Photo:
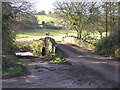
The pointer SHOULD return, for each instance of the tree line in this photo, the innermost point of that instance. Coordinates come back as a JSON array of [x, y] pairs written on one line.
[[93, 17], [89, 16]]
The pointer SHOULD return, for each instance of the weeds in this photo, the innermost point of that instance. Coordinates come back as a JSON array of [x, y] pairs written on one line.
[[40, 70], [107, 46], [11, 67], [58, 58]]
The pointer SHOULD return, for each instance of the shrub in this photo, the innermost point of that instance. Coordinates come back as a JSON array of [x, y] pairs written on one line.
[[117, 53], [49, 26], [58, 58], [107, 46], [7, 33], [12, 67]]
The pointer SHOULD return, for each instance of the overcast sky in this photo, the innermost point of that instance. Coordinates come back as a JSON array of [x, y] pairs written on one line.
[[47, 5]]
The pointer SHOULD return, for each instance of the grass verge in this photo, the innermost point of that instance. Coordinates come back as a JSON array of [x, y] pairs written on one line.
[[12, 67]]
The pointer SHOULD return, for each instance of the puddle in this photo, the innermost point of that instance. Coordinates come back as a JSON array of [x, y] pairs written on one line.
[[44, 69], [24, 54]]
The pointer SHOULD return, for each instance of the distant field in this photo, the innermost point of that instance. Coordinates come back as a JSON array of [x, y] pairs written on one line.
[[54, 33], [41, 18], [38, 33]]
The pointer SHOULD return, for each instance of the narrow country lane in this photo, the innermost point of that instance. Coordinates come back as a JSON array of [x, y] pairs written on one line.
[[87, 71], [104, 65]]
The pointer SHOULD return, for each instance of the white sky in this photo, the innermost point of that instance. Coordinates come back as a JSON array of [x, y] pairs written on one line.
[[47, 5]]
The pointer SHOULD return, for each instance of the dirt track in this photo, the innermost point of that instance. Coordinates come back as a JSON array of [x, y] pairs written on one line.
[[78, 75]]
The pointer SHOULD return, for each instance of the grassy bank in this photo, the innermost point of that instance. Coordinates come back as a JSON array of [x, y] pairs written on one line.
[[12, 67]]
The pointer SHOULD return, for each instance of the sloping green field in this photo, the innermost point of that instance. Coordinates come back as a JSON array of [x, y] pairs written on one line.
[[57, 34], [41, 18], [38, 33]]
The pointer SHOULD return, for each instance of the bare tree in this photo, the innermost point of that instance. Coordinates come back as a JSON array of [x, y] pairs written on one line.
[[77, 14]]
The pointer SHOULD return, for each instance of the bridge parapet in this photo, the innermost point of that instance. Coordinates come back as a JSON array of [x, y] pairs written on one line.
[[44, 46]]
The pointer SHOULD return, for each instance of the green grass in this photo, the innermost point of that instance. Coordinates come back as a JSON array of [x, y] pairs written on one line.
[[29, 35], [12, 67], [13, 71], [39, 33], [41, 18], [40, 70], [42, 32]]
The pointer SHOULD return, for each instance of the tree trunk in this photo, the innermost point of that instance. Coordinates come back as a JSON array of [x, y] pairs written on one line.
[[111, 23], [106, 19], [79, 34], [100, 34], [119, 24]]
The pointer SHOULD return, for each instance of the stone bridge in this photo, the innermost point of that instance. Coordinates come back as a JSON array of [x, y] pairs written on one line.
[[44, 46]]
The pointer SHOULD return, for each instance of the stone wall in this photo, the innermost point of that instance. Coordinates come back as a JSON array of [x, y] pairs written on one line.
[[44, 45], [74, 40], [78, 41]]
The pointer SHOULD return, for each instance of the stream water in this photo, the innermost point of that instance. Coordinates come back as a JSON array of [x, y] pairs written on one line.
[[24, 54]]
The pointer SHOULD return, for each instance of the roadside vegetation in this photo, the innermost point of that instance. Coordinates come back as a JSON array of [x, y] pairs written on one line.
[[58, 58], [12, 67], [108, 46]]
